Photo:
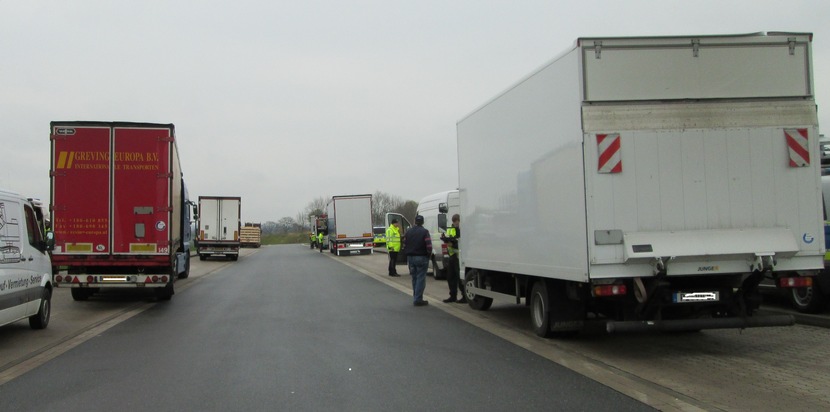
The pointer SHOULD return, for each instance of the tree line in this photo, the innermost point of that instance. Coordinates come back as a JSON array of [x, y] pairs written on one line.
[[382, 203]]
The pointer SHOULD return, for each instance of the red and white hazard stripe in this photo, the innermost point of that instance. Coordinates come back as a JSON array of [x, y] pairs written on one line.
[[797, 146], [608, 152]]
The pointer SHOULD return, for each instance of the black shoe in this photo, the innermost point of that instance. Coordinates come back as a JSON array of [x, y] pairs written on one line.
[[421, 303], [462, 300], [450, 300]]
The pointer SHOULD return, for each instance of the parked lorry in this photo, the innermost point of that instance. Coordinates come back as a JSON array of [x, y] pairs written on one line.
[[25, 267], [250, 235], [319, 226], [349, 224], [218, 225], [651, 182], [120, 208]]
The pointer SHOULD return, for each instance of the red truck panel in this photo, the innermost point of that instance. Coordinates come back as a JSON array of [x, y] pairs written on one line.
[[80, 185], [112, 190], [141, 193]]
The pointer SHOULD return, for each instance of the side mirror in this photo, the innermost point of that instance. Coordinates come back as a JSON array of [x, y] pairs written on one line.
[[442, 219], [443, 208], [50, 240]]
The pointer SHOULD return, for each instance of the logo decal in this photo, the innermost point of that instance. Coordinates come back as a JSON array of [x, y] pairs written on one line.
[[808, 238]]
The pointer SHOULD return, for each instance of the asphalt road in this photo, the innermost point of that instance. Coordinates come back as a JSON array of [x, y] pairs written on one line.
[[289, 329]]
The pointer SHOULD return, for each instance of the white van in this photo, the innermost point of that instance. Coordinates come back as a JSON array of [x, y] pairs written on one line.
[[25, 267], [430, 208]]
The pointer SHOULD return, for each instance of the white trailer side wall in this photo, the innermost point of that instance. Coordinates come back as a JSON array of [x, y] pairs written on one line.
[[521, 177]]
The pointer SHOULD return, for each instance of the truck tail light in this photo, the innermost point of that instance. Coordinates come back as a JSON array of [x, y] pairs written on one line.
[[58, 279], [444, 250], [369, 244], [90, 279], [609, 290], [795, 282], [164, 279]]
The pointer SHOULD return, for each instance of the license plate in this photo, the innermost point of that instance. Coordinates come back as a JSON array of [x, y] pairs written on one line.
[[692, 297], [113, 278]]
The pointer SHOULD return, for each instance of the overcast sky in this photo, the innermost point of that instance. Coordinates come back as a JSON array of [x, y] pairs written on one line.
[[280, 102]]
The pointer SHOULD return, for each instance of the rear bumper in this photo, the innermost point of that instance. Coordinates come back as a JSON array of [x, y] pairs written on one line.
[[700, 324]]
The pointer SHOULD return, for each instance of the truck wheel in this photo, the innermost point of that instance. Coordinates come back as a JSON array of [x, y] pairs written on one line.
[[202, 257], [234, 257], [436, 273], [165, 293], [476, 302], [80, 295], [186, 272], [808, 300], [540, 309], [41, 318]]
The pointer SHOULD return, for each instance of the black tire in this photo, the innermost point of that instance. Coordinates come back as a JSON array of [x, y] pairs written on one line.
[[476, 302], [165, 293], [234, 257], [41, 319], [540, 309], [437, 273], [202, 257], [80, 294], [808, 300], [186, 273]]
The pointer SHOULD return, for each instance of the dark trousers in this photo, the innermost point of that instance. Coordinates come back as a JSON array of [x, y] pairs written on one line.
[[453, 277], [393, 257]]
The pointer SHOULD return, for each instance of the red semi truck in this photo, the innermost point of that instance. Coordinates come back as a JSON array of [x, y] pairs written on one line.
[[120, 209]]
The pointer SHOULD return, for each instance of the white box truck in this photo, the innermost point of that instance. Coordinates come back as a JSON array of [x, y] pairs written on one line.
[[219, 225], [649, 182], [350, 225]]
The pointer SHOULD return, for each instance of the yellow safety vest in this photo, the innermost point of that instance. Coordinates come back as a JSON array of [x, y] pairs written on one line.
[[393, 239], [451, 235]]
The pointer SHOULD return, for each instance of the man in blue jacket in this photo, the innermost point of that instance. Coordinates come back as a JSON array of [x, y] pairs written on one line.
[[417, 247]]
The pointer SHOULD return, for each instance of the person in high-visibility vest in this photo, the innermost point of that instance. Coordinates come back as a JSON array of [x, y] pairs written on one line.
[[393, 246], [320, 238], [453, 269]]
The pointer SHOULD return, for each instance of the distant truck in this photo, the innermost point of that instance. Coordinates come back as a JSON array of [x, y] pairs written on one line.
[[651, 182], [319, 225], [25, 267], [120, 208], [349, 224], [218, 225], [250, 235]]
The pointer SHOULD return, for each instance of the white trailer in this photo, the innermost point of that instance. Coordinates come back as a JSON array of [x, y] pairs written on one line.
[[219, 226], [651, 182], [350, 225]]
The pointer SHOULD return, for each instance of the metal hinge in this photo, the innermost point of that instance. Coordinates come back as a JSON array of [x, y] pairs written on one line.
[[791, 42], [695, 47], [598, 49]]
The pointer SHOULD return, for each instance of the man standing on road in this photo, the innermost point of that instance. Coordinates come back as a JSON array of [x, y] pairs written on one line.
[[417, 246], [453, 269], [393, 246]]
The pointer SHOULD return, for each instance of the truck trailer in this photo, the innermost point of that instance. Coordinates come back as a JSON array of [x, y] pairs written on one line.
[[218, 226], [646, 182], [349, 225], [119, 205], [250, 235]]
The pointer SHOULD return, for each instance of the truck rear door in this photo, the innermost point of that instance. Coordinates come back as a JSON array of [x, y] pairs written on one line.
[[81, 189], [141, 190]]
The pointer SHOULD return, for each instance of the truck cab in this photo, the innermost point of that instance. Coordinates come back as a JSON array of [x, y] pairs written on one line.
[[446, 204]]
